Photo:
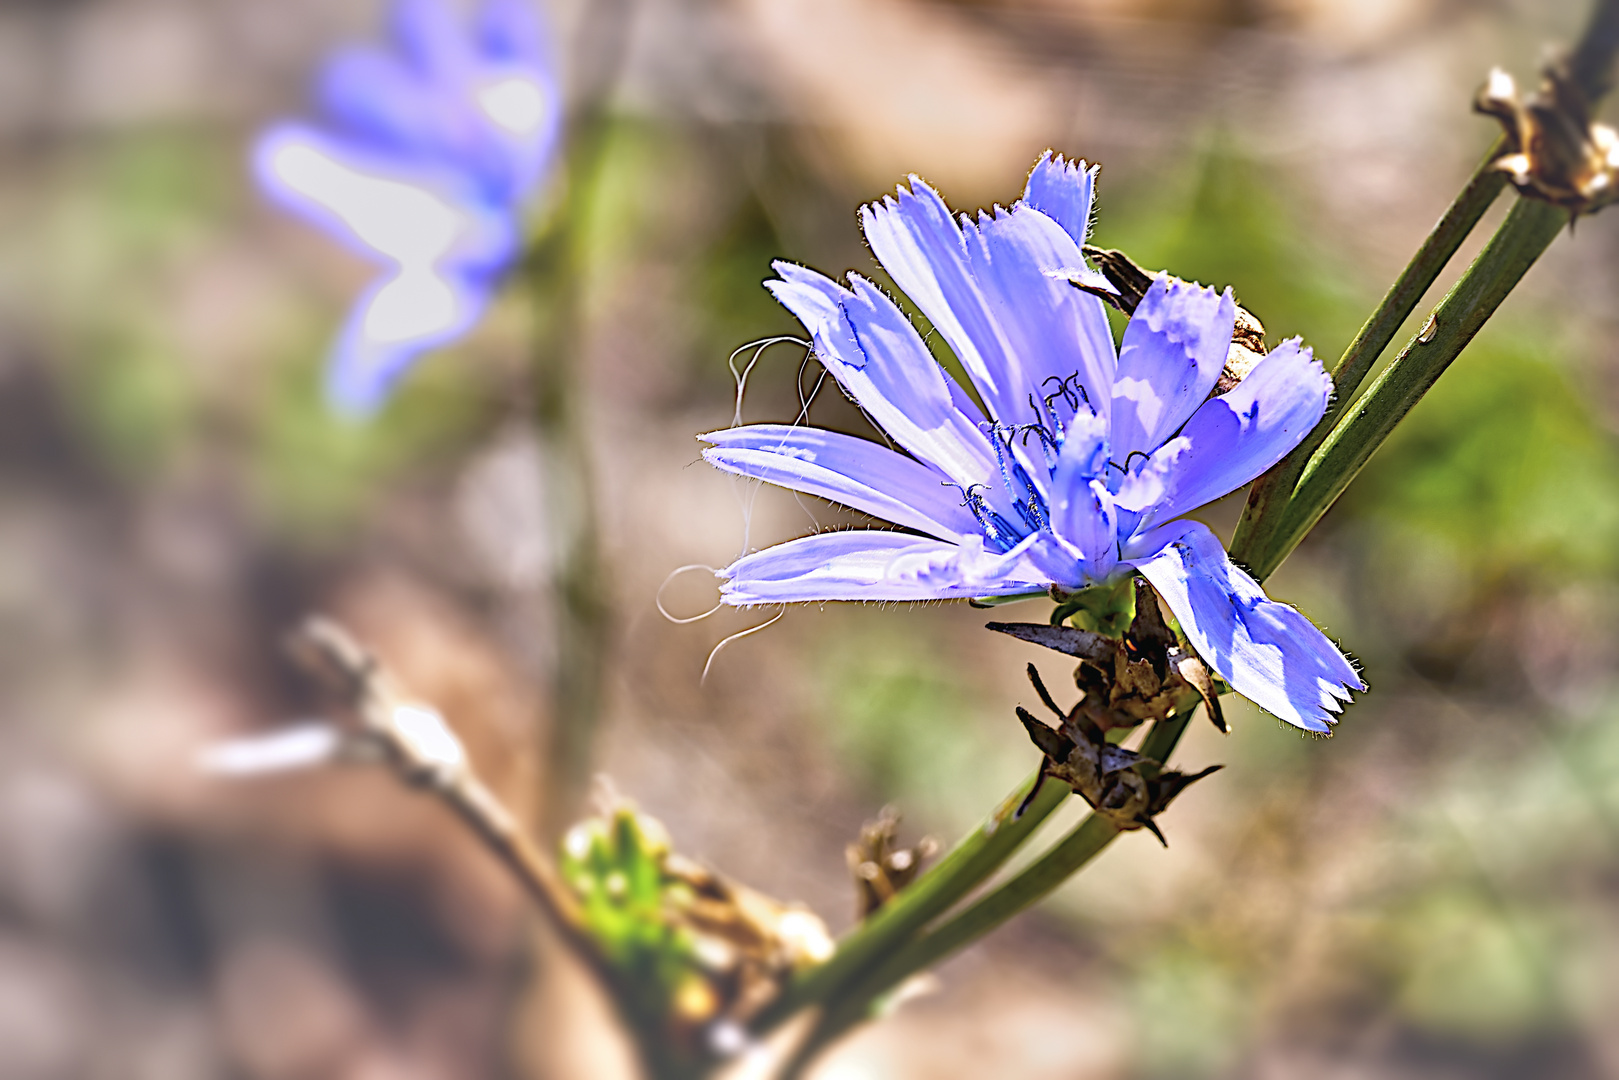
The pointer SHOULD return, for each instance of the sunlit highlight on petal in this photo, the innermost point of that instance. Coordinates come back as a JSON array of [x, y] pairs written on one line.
[[416, 304], [405, 223], [516, 104]]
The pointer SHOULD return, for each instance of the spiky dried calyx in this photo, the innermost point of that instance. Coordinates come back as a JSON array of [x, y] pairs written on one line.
[[1147, 674], [1121, 785]]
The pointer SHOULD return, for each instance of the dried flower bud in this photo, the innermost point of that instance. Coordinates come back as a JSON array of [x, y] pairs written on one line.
[[1555, 152], [1148, 674]]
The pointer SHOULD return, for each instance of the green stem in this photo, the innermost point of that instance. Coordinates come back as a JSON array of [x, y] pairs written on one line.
[[556, 270], [1256, 541], [967, 865], [1025, 889], [1527, 231]]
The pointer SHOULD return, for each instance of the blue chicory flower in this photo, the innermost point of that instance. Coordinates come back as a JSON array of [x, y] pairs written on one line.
[[1081, 463], [429, 154]]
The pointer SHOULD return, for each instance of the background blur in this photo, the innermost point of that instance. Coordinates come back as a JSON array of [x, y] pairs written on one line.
[[1432, 893]]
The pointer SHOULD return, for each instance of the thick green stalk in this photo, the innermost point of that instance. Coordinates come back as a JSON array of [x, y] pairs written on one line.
[[1528, 230], [1033, 884], [967, 865], [1255, 543]]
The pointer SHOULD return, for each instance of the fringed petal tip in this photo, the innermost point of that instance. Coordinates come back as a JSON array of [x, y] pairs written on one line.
[[1064, 191], [1052, 161]]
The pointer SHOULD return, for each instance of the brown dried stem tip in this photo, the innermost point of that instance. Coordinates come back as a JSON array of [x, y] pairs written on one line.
[[413, 740], [1554, 151], [880, 866]]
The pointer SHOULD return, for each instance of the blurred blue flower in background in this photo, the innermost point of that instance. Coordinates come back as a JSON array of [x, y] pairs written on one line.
[[423, 167], [1086, 461]]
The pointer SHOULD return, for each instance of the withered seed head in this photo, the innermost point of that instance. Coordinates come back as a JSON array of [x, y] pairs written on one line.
[[1555, 152]]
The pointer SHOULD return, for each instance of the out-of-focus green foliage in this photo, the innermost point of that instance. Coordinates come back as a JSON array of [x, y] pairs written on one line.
[[898, 711], [129, 249], [614, 865], [318, 471], [1505, 464], [1226, 221], [1191, 1011], [121, 228]]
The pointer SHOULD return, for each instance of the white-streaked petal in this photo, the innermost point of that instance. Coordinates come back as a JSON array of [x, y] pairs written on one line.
[[1081, 507], [858, 473], [877, 356], [1233, 438], [990, 290], [384, 335], [859, 565], [1064, 191], [397, 220], [516, 104]]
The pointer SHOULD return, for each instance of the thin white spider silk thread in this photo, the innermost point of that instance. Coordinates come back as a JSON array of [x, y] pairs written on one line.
[[741, 377], [658, 599], [738, 636]]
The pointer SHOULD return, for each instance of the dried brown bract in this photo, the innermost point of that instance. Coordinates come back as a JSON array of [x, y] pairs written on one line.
[[880, 866], [1132, 283], [1121, 785], [1555, 151], [1148, 675]]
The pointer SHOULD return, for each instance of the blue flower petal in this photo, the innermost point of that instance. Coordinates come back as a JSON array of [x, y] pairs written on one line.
[[1267, 651], [431, 38], [1081, 507], [1169, 360], [1233, 438], [374, 96], [855, 472], [393, 322], [876, 355], [859, 565], [511, 31], [389, 208], [433, 148], [990, 290], [1064, 191]]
